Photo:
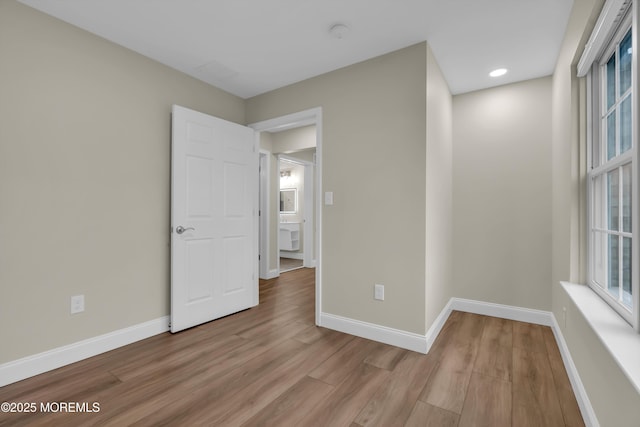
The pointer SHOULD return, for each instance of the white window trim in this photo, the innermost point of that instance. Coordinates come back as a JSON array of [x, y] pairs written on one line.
[[601, 34], [597, 48]]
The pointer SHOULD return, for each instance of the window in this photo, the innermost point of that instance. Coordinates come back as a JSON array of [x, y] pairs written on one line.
[[612, 173]]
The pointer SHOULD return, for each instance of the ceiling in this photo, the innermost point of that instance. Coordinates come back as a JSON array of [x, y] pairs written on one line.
[[248, 47]]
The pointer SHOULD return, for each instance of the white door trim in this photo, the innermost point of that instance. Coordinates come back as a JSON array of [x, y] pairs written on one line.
[[310, 219], [265, 214], [290, 121]]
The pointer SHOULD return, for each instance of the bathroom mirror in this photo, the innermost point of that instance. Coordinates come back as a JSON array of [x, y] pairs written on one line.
[[289, 200]]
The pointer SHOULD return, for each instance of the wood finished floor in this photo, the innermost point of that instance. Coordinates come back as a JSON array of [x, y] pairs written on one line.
[[270, 366]]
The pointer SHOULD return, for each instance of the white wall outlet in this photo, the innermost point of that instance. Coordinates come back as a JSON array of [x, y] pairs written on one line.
[[378, 292], [77, 304]]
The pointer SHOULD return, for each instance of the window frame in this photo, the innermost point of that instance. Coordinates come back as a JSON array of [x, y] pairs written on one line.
[[596, 113]]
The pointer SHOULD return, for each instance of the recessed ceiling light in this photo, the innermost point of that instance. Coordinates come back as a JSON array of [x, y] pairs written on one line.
[[339, 31], [499, 72]]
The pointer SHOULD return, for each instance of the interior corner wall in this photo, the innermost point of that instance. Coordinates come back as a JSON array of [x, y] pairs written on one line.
[[439, 196], [84, 179], [502, 194], [373, 160], [614, 399]]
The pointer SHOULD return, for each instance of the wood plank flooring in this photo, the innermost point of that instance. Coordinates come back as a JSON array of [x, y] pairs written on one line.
[[270, 366]]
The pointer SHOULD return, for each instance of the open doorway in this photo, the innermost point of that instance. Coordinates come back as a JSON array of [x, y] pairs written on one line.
[[296, 210], [295, 139]]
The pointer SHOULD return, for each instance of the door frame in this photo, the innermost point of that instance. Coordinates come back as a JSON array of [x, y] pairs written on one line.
[[264, 216], [308, 117]]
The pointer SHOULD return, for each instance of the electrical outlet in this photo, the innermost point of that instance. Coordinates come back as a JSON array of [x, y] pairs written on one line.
[[77, 304], [378, 292]]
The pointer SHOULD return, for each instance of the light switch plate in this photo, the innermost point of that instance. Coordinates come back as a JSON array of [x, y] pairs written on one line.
[[378, 292], [328, 198]]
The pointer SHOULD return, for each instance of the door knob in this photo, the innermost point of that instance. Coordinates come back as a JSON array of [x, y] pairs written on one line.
[[180, 229]]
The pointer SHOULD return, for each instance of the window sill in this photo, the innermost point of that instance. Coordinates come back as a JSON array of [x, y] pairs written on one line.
[[615, 333]]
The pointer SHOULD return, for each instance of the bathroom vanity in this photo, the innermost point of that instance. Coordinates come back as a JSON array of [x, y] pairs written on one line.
[[289, 236]]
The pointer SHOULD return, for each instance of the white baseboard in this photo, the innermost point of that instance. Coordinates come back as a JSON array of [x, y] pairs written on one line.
[[521, 314], [588, 414], [436, 326], [423, 343], [271, 274], [383, 334], [30, 366], [291, 255]]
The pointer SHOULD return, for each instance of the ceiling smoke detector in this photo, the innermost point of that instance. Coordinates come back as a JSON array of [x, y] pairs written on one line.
[[339, 31]]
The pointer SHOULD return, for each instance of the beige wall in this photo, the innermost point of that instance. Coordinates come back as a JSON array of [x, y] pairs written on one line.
[[615, 401], [374, 162], [266, 141], [293, 140], [84, 179], [439, 195], [502, 194], [306, 155]]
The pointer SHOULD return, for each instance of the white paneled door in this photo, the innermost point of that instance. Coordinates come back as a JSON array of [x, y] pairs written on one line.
[[214, 234]]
